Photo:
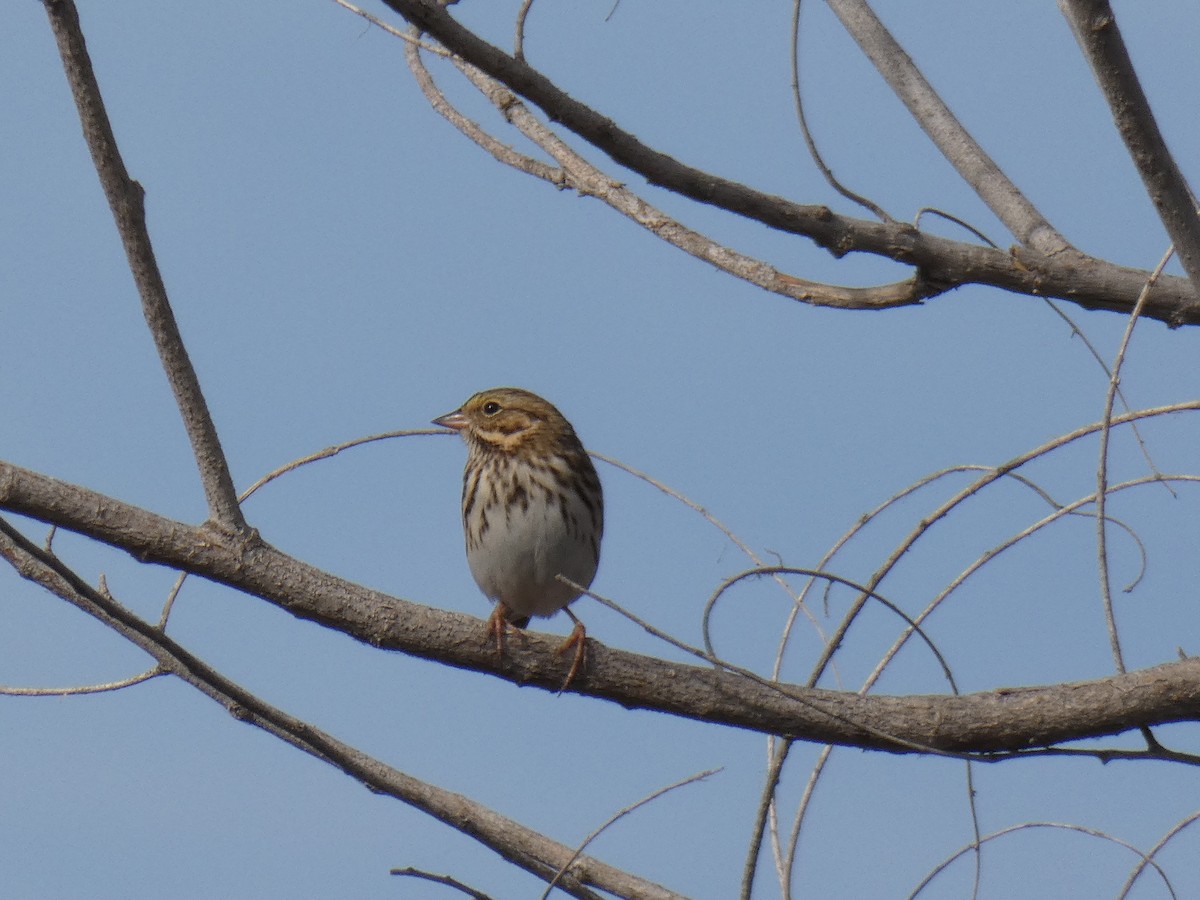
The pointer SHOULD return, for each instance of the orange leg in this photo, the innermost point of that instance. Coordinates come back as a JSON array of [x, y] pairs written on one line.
[[497, 626], [500, 622], [578, 640]]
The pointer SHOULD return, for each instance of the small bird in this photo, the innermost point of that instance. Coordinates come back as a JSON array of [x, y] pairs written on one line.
[[532, 509]]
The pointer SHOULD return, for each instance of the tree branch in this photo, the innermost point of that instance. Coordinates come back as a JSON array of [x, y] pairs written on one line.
[[587, 180], [943, 263], [126, 199], [995, 721], [528, 849], [961, 150], [1095, 27]]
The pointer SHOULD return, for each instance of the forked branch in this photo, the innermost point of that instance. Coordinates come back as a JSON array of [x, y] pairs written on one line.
[[942, 263]]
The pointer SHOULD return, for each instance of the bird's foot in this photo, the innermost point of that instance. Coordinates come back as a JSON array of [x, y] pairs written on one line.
[[500, 622], [578, 640]]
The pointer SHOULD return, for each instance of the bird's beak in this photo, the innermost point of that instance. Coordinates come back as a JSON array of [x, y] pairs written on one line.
[[455, 420]]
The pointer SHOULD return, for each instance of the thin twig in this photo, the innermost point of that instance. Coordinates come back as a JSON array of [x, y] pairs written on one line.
[[813, 152], [892, 741], [766, 819], [326, 453], [152, 672], [522, 162], [943, 510], [1105, 755], [802, 808], [394, 32], [519, 39], [732, 580], [975, 845], [1076, 331], [1102, 467], [1060, 510], [705, 514], [335, 449], [445, 880], [620, 814], [1148, 859], [961, 223]]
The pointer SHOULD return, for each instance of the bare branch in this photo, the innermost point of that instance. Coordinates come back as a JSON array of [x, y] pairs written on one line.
[[1001, 720], [152, 672], [577, 173], [979, 841], [942, 263], [1076, 331], [943, 510], [591, 182], [802, 120], [446, 880], [467, 126], [126, 199], [519, 845], [1102, 469], [1095, 27], [519, 39], [937, 121], [1179, 826], [624, 811]]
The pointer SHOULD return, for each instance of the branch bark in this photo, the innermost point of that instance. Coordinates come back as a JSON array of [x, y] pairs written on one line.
[[961, 150], [522, 846], [126, 199], [1000, 721], [1095, 27], [943, 263], [577, 173]]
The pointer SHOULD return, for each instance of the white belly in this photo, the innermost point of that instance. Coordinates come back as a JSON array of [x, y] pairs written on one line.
[[523, 550]]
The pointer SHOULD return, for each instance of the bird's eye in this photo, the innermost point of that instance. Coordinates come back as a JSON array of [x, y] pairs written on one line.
[[491, 408]]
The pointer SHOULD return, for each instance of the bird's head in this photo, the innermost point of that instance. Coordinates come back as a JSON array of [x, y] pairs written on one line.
[[506, 418]]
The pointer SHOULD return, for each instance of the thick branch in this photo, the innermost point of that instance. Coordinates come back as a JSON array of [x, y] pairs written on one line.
[[943, 263], [520, 845], [1095, 28], [995, 721], [125, 198]]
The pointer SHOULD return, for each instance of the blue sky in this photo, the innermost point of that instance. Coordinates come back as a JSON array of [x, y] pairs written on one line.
[[342, 263]]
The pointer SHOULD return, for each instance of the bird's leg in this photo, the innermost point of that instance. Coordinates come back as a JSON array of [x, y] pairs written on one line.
[[500, 622], [578, 640], [497, 625]]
